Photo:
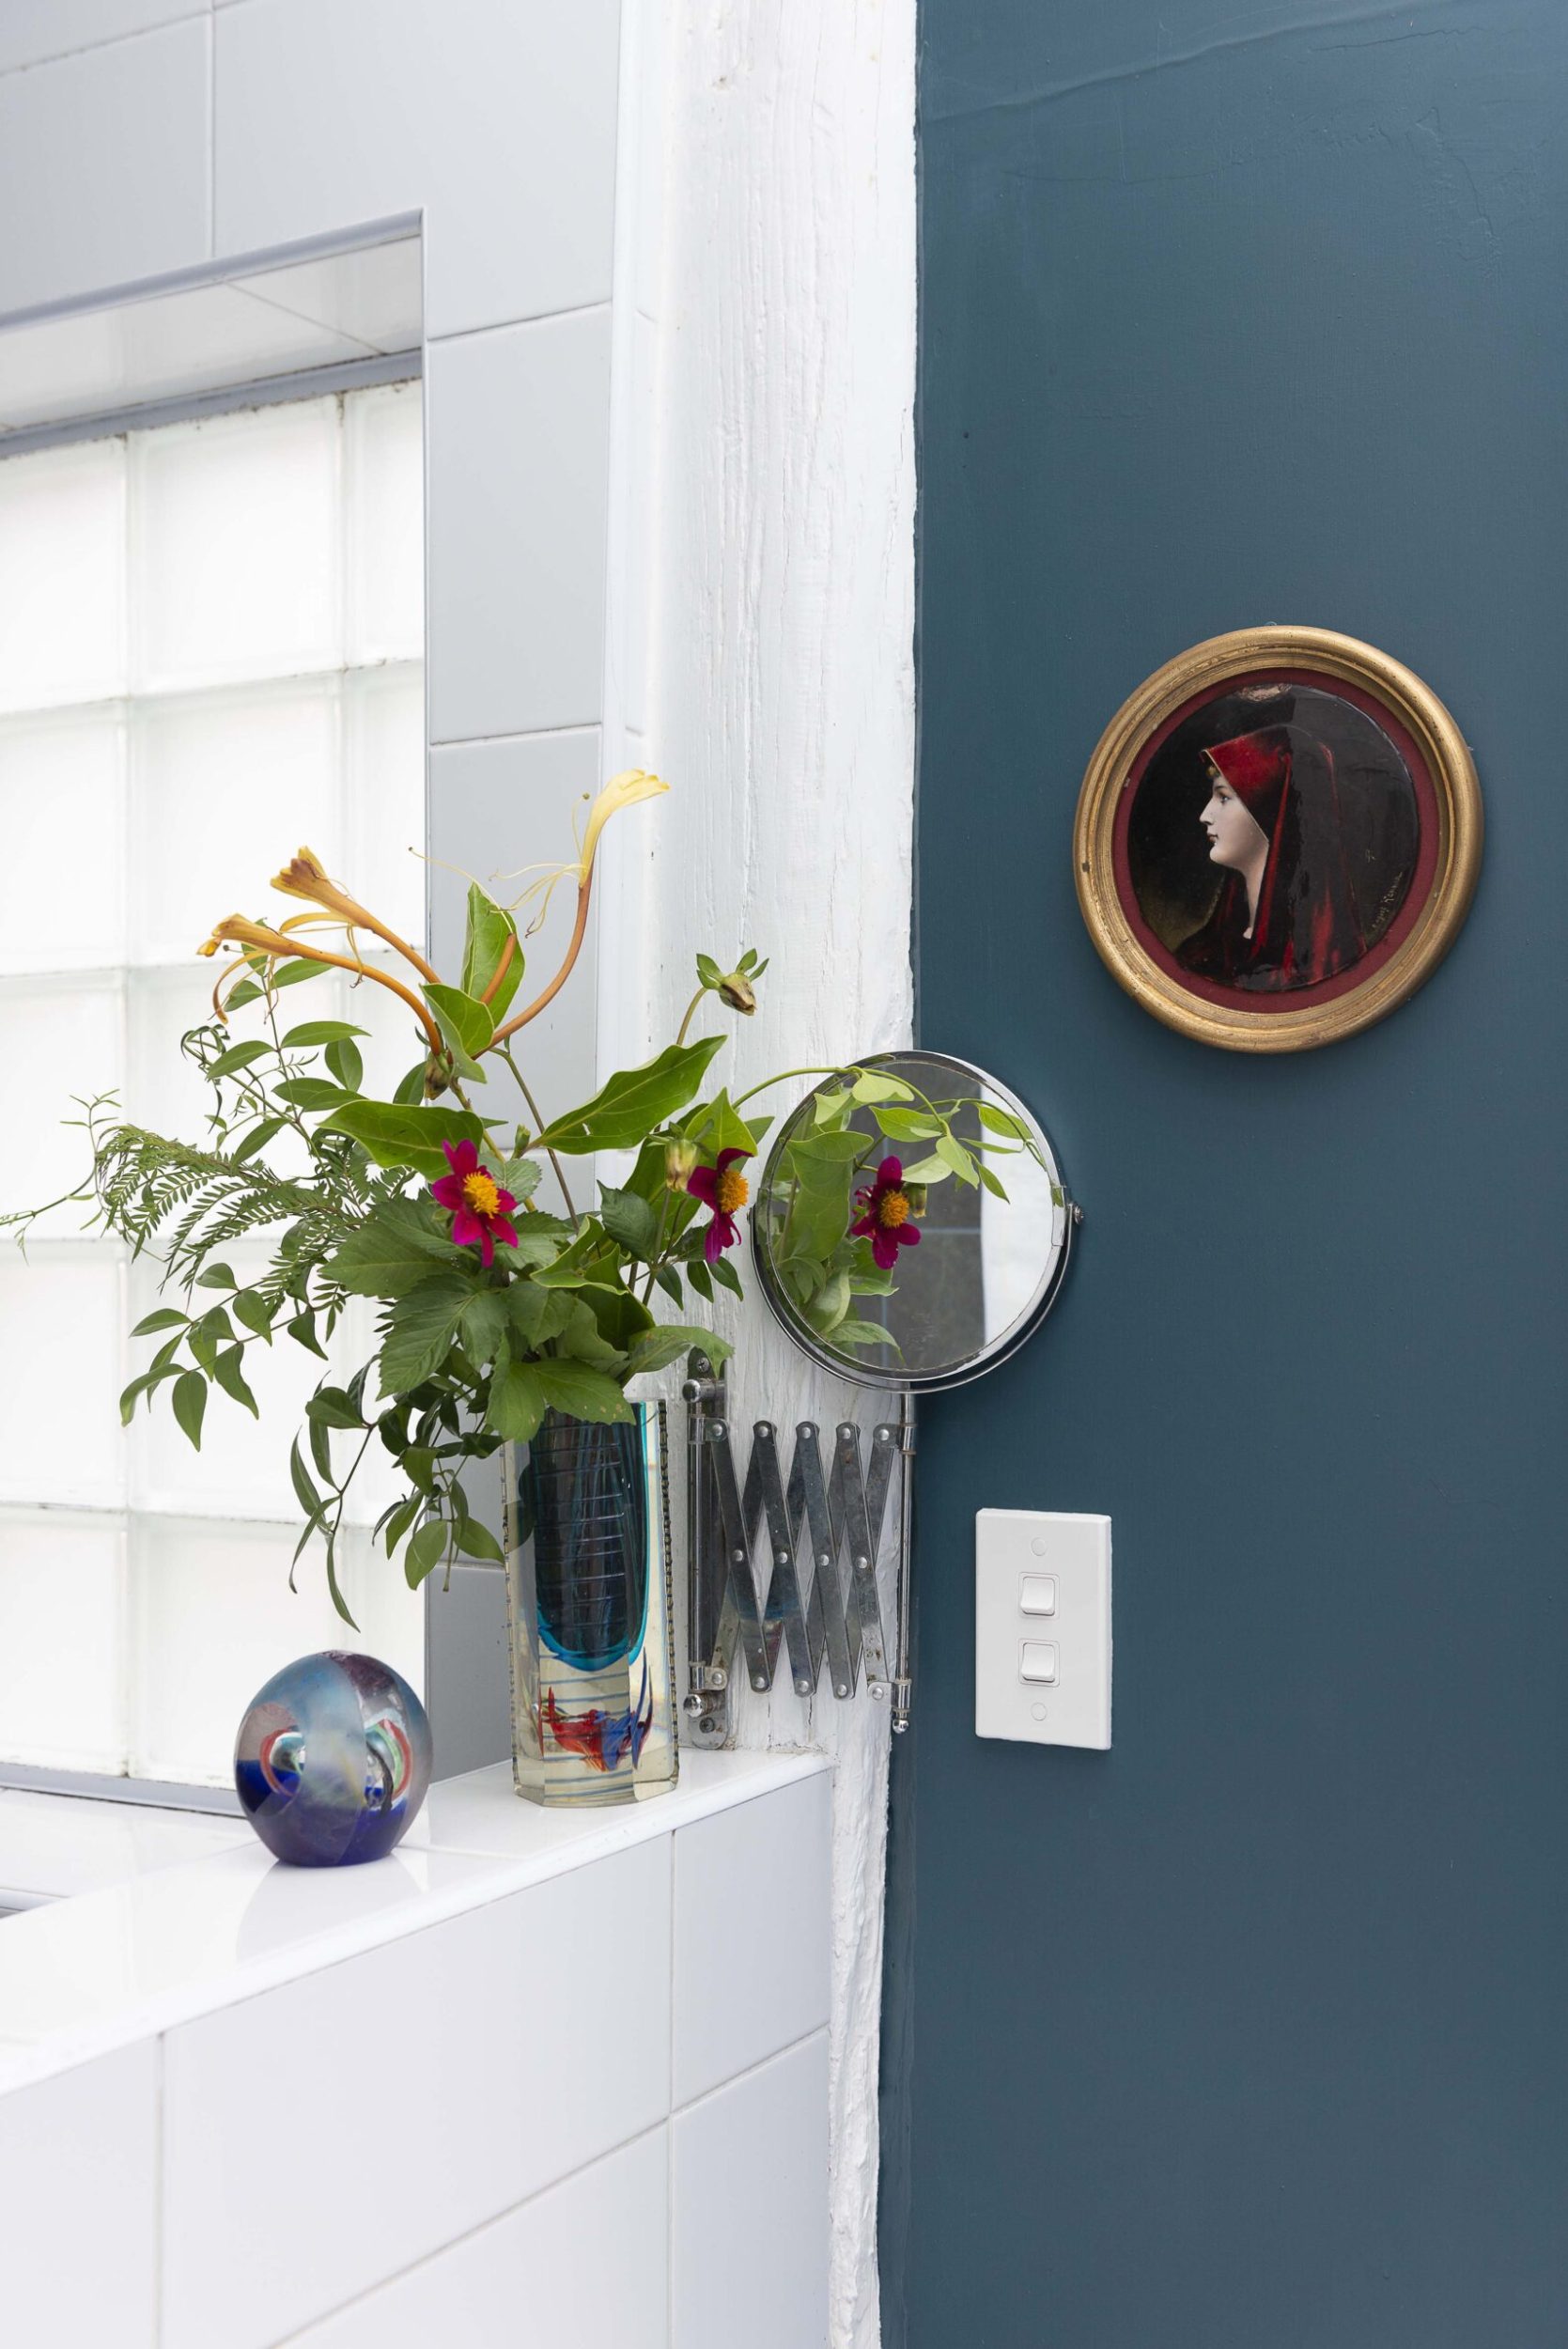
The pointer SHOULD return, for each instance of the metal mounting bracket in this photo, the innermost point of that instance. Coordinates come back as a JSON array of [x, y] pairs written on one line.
[[790, 1568]]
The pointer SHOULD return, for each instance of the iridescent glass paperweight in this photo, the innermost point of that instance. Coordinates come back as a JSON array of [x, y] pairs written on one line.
[[333, 1760]]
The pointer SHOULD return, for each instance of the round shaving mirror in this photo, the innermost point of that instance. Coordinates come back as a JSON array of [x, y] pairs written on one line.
[[912, 1227]]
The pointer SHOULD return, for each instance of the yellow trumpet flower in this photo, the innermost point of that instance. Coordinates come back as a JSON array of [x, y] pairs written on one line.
[[633, 785], [236, 929], [305, 875]]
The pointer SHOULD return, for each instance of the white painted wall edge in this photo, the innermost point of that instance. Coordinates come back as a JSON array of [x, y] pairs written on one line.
[[781, 707]]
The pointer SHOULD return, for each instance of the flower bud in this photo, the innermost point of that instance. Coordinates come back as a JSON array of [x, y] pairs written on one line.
[[915, 1194], [735, 988], [680, 1160]]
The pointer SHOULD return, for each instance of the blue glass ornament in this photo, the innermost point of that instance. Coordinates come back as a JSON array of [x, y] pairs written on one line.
[[333, 1760]]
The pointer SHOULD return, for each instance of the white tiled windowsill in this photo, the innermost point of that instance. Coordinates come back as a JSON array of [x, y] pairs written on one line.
[[190, 1915]]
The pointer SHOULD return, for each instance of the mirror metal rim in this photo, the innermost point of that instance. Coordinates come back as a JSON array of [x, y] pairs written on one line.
[[1018, 1332]]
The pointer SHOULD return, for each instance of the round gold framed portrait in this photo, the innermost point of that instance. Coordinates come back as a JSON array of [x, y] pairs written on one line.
[[1278, 839]]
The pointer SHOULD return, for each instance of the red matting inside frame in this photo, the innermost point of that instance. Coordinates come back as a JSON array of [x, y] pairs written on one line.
[[1399, 929]]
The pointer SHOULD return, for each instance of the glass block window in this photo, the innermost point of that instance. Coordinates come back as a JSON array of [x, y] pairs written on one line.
[[211, 651]]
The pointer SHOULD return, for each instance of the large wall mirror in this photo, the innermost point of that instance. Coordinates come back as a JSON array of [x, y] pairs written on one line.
[[211, 648]]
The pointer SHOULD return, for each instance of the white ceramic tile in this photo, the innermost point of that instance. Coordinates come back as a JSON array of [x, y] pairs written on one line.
[[384, 483], [118, 1965], [32, 31], [234, 563], [652, 132], [749, 2206], [62, 573], [60, 1043], [73, 763], [61, 1845], [586, 2261], [519, 451], [497, 808], [542, 2042], [79, 2168], [375, 295], [213, 1618], [61, 1314], [753, 1933], [62, 1651], [105, 166], [267, 759], [499, 121]]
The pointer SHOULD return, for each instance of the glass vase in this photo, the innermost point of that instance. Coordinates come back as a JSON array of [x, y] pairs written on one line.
[[589, 1632]]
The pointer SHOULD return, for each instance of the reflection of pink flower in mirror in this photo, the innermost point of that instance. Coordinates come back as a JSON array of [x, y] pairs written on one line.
[[886, 1219], [481, 1210], [722, 1189]]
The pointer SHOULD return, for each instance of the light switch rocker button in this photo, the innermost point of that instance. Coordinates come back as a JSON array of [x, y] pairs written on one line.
[[1037, 1660], [1037, 1595]]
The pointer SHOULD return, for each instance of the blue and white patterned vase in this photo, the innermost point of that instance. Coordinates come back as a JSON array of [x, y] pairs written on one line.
[[589, 1629]]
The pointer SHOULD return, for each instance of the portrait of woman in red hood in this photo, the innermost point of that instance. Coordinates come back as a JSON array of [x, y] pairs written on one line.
[[1277, 838], [1286, 914]]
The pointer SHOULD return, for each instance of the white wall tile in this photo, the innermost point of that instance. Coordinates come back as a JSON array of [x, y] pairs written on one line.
[[60, 1308], [499, 121], [78, 2204], [234, 547], [105, 166], [264, 758], [753, 1933], [518, 453], [32, 31], [375, 295], [69, 766], [586, 2261], [542, 2042], [62, 1645], [62, 573], [496, 807], [749, 2206]]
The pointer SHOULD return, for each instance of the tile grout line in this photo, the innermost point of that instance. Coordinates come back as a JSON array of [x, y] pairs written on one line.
[[507, 326], [116, 40]]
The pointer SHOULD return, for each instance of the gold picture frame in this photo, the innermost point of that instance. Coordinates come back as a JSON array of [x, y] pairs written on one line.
[[1319, 730]]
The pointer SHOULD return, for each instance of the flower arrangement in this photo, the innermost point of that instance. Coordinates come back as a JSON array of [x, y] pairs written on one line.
[[494, 1310]]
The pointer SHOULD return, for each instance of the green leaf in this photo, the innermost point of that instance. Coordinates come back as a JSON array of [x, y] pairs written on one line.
[[580, 1339], [295, 974], [953, 1153], [229, 1372], [485, 1323], [862, 1334], [620, 1317], [257, 1138], [321, 1032], [727, 1277], [165, 1319], [1001, 1121], [255, 1312], [718, 1124], [189, 1404], [246, 992], [537, 1313], [520, 1177], [321, 1440], [463, 1020], [669, 1280], [932, 1170], [626, 1110], [517, 1403], [820, 1212], [420, 1329], [302, 1330], [708, 971], [237, 1057], [909, 1125], [658, 1347], [877, 1085], [411, 1086], [489, 926], [329, 1407], [344, 1060], [405, 1136], [477, 1541], [701, 1279], [310, 1093], [582, 1394], [400, 1517], [992, 1182], [399, 1244], [217, 1276], [309, 1498], [630, 1220], [425, 1551]]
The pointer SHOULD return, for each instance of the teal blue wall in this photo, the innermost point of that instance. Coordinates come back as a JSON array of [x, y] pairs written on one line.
[[1252, 2033]]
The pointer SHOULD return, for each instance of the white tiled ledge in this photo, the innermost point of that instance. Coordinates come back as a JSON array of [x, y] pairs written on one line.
[[106, 1970]]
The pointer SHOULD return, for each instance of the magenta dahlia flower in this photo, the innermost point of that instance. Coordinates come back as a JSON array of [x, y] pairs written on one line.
[[481, 1211], [722, 1189], [885, 1222]]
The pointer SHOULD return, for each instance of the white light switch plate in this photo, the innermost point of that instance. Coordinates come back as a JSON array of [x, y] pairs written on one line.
[[1016, 1552]]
